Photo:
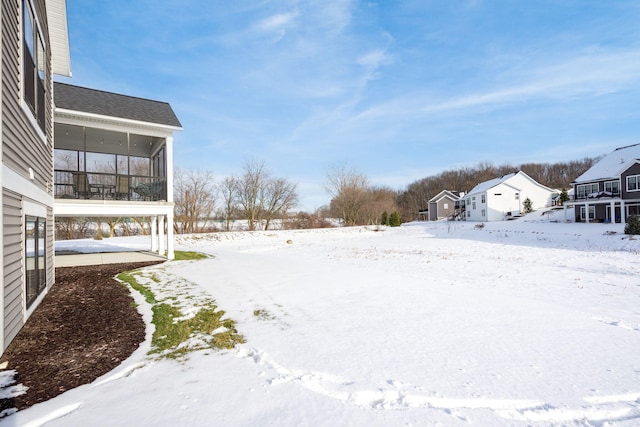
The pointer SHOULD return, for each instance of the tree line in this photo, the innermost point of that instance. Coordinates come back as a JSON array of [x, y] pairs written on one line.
[[255, 196], [553, 175], [260, 198]]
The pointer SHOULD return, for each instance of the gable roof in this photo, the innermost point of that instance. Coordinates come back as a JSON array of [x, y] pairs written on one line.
[[487, 185], [109, 104], [453, 195], [611, 165], [484, 186]]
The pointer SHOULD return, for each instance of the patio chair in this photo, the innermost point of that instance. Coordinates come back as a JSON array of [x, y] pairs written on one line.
[[123, 189], [80, 185]]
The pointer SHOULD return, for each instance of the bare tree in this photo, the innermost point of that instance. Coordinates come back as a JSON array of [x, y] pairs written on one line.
[[349, 194], [195, 199], [276, 198], [227, 190], [381, 200], [250, 186]]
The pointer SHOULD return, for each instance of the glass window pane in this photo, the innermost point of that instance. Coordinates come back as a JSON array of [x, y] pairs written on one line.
[[41, 249], [101, 163], [31, 273], [65, 160], [140, 165]]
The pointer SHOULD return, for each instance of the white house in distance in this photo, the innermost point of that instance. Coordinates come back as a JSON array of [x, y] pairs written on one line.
[[502, 198]]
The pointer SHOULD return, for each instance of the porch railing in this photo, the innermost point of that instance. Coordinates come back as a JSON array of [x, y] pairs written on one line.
[[106, 186]]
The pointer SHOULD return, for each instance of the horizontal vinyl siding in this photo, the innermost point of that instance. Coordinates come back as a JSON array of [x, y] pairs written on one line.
[[12, 280], [22, 148]]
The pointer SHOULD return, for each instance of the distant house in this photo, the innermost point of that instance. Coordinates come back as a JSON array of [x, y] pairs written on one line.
[[445, 204], [113, 157], [502, 198], [35, 45], [610, 189]]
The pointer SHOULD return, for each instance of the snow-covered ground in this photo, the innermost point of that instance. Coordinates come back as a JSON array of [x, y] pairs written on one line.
[[526, 322]]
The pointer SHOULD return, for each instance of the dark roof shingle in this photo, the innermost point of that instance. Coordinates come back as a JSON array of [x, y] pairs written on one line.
[[94, 101]]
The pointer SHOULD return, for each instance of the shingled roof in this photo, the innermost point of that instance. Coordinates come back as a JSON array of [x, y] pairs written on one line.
[[86, 100]]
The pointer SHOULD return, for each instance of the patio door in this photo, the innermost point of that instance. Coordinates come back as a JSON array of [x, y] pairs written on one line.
[[617, 217]]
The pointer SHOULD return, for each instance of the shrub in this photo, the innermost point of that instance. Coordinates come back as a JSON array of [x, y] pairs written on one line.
[[527, 205], [633, 225], [385, 218], [394, 219]]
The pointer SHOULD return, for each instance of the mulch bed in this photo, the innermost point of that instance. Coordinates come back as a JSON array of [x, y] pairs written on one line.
[[85, 327]]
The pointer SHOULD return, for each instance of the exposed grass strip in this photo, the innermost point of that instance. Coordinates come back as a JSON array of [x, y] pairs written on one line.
[[189, 256], [175, 334]]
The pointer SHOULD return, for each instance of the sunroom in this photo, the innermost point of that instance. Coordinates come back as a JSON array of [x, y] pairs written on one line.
[[113, 157]]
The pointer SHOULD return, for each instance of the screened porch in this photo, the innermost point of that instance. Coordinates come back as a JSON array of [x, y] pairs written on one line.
[[99, 164]]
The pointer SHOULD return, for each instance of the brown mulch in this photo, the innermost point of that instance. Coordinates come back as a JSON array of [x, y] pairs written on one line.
[[85, 326]]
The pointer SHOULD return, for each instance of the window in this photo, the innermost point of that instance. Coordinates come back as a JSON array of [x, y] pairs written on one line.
[[36, 280], [592, 212], [484, 213], [612, 187], [585, 189], [446, 205], [517, 196], [483, 199], [474, 206], [33, 63], [633, 183]]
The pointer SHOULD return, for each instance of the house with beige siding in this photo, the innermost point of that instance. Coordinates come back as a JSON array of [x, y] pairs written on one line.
[[68, 151], [35, 46]]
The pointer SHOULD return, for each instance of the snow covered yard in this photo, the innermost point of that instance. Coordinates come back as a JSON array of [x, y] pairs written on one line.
[[517, 323]]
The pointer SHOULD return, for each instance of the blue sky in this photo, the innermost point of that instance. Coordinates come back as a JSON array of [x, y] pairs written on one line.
[[399, 90]]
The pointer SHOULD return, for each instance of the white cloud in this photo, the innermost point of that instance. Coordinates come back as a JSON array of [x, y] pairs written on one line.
[[275, 22], [586, 75]]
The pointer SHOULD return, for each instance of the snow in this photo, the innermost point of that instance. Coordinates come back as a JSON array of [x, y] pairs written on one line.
[[612, 165], [524, 322]]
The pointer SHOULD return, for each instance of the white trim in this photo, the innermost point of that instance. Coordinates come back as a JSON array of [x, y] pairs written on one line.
[[637, 177], [168, 154], [109, 208], [32, 119], [30, 208], [79, 118], [31, 115], [161, 235], [17, 183], [170, 250], [59, 37], [154, 233]]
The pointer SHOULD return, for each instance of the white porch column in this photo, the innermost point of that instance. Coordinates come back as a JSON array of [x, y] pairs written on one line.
[[586, 213], [623, 217], [169, 156], [161, 235], [170, 252], [154, 234], [613, 212]]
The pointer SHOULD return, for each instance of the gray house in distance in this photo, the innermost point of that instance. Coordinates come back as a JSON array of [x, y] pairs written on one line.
[[35, 46], [609, 191], [444, 205]]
